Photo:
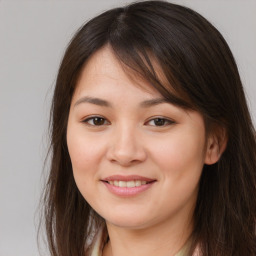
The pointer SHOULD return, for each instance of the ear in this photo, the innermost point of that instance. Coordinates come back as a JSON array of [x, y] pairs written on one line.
[[216, 145]]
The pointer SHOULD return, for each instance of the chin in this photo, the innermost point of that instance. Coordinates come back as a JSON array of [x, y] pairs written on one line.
[[128, 221]]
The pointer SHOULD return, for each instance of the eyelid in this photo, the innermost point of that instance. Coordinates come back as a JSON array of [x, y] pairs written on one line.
[[88, 118], [106, 122], [168, 120]]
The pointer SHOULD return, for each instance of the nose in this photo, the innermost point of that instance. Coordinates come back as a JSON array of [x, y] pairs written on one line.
[[126, 147]]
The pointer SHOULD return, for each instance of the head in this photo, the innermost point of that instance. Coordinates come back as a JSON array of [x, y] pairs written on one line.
[[175, 53]]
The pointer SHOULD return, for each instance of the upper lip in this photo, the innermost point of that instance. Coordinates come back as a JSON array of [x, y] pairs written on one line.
[[127, 178]]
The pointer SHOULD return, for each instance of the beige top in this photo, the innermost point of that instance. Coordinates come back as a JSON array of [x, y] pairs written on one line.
[[97, 248]]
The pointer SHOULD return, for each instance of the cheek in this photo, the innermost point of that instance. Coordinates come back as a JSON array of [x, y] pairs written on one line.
[[180, 154], [84, 151], [85, 156], [180, 160]]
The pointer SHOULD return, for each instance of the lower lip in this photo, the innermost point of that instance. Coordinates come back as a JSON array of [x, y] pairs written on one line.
[[126, 192]]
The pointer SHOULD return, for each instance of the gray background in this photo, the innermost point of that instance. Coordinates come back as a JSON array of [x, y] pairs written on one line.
[[33, 36]]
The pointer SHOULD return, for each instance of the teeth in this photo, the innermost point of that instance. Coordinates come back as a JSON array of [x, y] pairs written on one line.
[[130, 184], [138, 183], [122, 184], [127, 184]]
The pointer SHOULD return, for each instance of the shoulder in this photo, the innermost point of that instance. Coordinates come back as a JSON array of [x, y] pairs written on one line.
[[97, 244], [197, 252]]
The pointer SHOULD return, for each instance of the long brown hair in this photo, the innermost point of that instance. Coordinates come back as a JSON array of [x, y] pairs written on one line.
[[198, 64]]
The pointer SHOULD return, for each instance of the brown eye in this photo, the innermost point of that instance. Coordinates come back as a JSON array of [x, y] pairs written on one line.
[[96, 121], [159, 122]]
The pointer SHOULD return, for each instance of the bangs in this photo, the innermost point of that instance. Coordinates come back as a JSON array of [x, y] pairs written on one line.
[[142, 65], [138, 57]]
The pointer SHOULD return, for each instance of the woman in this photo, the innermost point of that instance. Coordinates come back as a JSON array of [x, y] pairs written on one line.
[[153, 147]]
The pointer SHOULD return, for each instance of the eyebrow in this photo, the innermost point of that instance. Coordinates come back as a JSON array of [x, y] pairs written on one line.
[[153, 102], [95, 101], [104, 103]]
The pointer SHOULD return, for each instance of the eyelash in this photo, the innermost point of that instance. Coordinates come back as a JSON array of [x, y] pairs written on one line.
[[103, 121], [94, 118], [161, 119]]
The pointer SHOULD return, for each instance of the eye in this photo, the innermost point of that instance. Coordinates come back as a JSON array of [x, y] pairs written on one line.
[[96, 121], [159, 121]]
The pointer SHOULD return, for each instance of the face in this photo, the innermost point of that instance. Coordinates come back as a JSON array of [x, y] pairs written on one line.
[[136, 159]]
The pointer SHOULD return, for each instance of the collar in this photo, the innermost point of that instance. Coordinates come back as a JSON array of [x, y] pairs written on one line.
[[100, 242]]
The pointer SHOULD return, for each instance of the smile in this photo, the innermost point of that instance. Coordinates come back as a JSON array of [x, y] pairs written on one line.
[[127, 186]]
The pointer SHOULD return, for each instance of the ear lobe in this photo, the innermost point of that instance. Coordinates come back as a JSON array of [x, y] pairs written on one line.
[[216, 145]]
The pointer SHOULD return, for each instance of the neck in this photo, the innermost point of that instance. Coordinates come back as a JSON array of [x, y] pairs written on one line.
[[163, 239]]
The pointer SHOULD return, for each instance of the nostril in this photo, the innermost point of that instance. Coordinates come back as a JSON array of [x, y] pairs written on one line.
[[126, 156]]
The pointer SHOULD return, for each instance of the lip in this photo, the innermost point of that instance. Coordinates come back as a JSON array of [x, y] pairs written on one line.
[[127, 178], [127, 191]]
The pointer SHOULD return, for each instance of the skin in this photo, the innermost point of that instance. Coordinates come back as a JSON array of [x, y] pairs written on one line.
[[129, 141]]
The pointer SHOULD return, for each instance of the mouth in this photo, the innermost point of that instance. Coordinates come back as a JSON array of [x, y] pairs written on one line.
[[127, 185]]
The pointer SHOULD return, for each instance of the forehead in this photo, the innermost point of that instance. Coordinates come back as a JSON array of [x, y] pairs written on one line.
[[144, 72], [103, 71]]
